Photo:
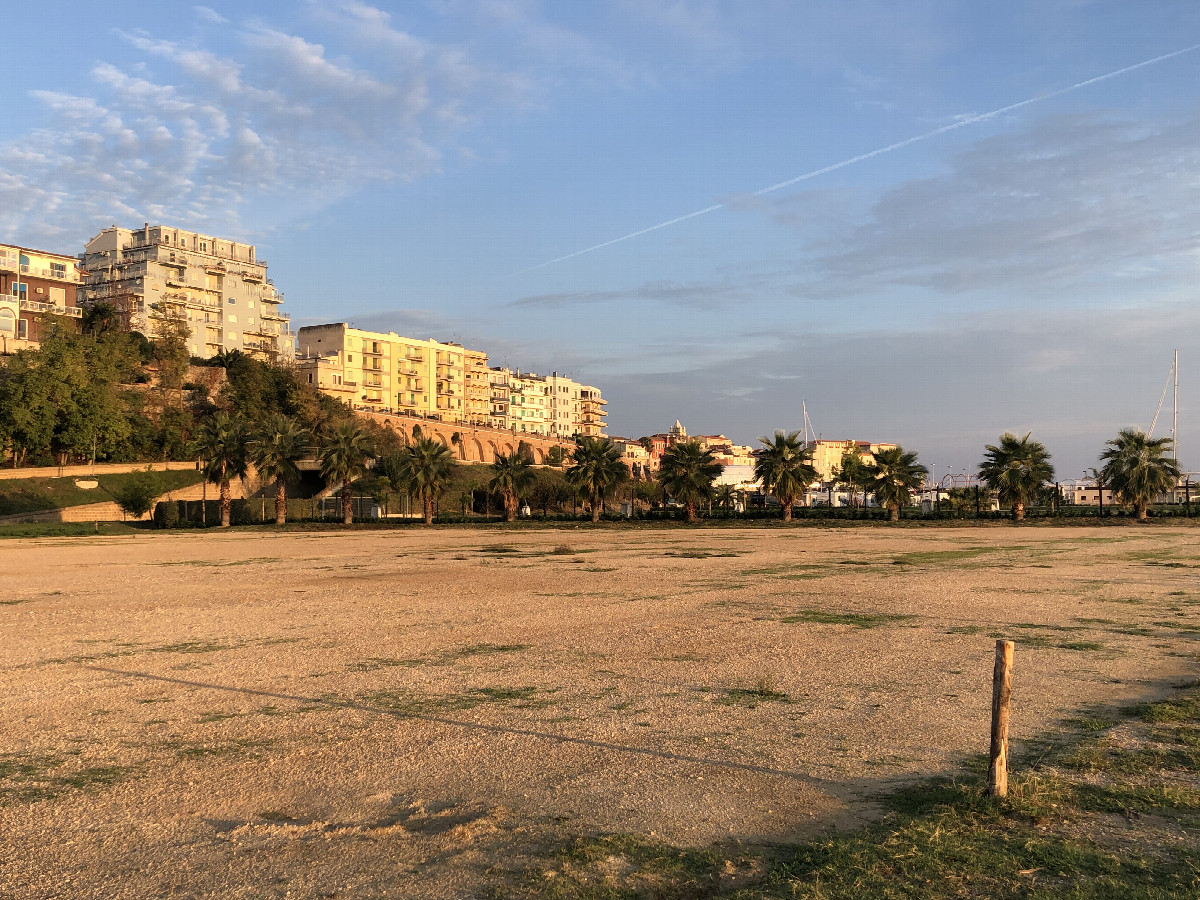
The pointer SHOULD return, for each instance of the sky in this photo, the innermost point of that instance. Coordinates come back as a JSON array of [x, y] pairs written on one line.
[[492, 172]]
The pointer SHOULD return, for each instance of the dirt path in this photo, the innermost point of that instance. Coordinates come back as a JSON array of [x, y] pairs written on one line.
[[395, 713]]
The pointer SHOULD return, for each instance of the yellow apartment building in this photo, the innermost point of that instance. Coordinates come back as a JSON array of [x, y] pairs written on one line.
[[384, 372], [34, 284]]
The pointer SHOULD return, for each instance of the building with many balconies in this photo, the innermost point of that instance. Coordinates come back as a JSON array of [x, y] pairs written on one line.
[[385, 372], [217, 287], [34, 284]]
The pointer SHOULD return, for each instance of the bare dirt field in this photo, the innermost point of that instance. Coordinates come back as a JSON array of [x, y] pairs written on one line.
[[430, 713]]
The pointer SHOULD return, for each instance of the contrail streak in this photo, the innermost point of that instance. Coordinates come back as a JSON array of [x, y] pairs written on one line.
[[961, 123]]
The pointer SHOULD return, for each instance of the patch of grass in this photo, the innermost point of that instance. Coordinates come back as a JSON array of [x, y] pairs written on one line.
[[763, 691], [218, 748], [699, 553], [1091, 723], [413, 704], [562, 550], [30, 777], [443, 658], [857, 620], [498, 550], [22, 495], [942, 838]]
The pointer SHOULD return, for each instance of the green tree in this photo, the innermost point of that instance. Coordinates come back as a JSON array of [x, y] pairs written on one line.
[[220, 444], [1016, 469], [426, 468], [597, 469], [275, 450], [854, 474], [687, 472], [136, 495], [511, 476], [725, 497], [784, 467], [1137, 469], [382, 491], [556, 456], [896, 475], [344, 453]]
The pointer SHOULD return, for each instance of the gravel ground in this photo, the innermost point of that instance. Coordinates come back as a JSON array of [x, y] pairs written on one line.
[[414, 713]]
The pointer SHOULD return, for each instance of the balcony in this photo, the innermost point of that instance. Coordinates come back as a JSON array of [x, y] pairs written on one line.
[[39, 272], [73, 312], [414, 355]]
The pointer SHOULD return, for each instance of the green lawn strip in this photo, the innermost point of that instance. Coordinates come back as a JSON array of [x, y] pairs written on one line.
[[941, 838], [22, 495], [68, 529]]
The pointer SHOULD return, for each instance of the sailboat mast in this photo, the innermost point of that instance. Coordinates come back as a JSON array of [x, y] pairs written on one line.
[[1175, 413]]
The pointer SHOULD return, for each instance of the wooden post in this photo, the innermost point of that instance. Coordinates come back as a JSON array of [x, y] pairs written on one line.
[[1001, 694]]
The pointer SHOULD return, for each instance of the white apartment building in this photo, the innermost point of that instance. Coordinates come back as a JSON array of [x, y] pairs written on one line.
[[216, 286]]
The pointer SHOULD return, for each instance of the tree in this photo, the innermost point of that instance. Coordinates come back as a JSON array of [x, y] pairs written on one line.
[[687, 472], [220, 444], [596, 469], [556, 456], [1137, 469], [382, 492], [896, 475], [784, 466], [726, 497], [426, 467], [344, 453], [1016, 469], [136, 496], [854, 474], [511, 475], [275, 449]]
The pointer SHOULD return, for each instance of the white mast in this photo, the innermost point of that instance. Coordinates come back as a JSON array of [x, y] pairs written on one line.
[[1175, 412]]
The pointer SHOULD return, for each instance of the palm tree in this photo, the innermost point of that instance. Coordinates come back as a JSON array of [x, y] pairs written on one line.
[[1137, 469], [275, 449], [221, 445], [344, 454], [1016, 469], [426, 467], [597, 468], [897, 475], [687, 472], [726, 497], [511, 474], [784, 466]]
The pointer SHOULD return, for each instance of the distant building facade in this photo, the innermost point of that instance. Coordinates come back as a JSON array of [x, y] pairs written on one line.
[[215, 286], [385, 372], [34, 284]]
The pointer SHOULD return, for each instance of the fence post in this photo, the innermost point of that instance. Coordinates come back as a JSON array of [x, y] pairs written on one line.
[[1001, 695]]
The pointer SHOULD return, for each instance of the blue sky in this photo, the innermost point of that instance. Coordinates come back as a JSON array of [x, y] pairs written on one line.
[[412, 166]]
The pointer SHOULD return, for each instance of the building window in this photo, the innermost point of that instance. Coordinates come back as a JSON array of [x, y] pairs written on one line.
[[7, 321], [23, 329]]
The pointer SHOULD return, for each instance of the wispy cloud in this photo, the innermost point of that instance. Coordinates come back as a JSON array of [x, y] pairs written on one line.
[[275, 121], [209, 15]]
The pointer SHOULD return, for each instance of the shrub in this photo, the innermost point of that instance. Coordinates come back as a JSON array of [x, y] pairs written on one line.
[[136, 496]]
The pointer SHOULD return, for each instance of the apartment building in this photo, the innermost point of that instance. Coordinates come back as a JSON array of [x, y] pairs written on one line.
[[34, 284], [478, 405], [827, 455], [385, 372], [574, 408], [218, 287]]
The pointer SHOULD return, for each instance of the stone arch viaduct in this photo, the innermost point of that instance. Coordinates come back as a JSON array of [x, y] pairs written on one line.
[[474, 444]]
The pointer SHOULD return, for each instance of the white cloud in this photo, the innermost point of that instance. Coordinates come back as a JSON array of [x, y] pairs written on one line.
[[268, 131], [209, 15]]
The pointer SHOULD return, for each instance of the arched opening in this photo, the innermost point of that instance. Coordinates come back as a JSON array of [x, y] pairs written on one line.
[[494, 452], [538, 456], [478, 448]]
